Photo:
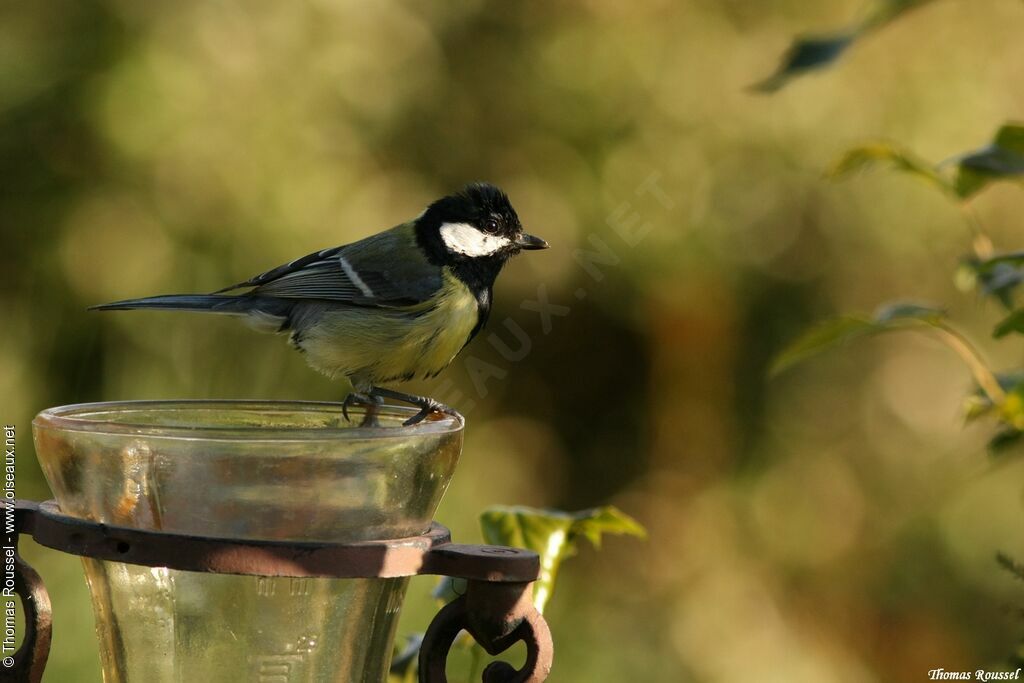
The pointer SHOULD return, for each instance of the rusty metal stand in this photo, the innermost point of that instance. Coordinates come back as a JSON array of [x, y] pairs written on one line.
[[497, 609]]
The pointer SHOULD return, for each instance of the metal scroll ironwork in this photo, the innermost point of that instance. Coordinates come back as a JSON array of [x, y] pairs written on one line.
[[30, 659], [496, 609], [497, 615]]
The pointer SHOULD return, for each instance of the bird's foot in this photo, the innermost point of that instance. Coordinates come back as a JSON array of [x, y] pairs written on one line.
[[427, 407], [372, 403], [426, 404], [354, 399]]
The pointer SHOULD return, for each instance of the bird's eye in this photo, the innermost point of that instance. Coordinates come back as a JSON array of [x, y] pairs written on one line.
[[491, 224]]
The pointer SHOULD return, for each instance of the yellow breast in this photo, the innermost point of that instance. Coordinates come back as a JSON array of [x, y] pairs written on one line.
[[441, 331], [386, 345]]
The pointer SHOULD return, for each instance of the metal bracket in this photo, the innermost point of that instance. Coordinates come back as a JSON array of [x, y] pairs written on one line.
[[30, 659], [497, 615], [497, 609]]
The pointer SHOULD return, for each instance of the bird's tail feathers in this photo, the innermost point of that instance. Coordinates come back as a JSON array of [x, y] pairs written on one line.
[[212, 303]]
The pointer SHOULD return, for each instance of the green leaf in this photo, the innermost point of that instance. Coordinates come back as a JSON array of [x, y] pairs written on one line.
[[1011, 323], [838, 331], [1004, 440], [1014, 258], [976, 405], [1001, 160], [803, 55], [553, 534], [866, 156], [994, 278], [1010, 565], [824, 336], [404, 662], [525, 527], [1002, 282], [810, 53], [998, 276], [1005, 156], [969, 182], [593, 524]]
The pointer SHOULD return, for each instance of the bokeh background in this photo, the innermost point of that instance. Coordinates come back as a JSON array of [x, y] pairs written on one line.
[[837, 523]]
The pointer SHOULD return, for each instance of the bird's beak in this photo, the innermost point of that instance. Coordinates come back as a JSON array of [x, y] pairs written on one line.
[[527, 241]]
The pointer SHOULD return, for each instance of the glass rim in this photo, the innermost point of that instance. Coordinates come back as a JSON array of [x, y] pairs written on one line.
[[74, 418]]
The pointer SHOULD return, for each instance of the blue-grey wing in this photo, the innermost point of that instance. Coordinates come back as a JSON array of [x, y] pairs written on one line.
[[387, 269]]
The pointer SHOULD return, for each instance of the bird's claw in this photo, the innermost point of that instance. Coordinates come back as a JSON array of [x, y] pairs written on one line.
[[427, 407], [353, 399], [426, 404]]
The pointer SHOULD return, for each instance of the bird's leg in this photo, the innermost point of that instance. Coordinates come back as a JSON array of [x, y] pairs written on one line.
[[372, 403], [426, 404], [370, 416]]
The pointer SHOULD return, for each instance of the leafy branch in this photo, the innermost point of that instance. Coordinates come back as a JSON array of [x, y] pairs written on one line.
[[1000, 396], [892, 318], [961, 177]]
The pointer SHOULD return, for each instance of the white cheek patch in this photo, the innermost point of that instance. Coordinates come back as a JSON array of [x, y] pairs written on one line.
[[463, 238]]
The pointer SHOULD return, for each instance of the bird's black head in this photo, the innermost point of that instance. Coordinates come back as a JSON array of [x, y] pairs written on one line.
[[476, 224]]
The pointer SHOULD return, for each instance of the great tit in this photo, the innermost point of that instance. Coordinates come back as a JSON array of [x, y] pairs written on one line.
[[392, 307]]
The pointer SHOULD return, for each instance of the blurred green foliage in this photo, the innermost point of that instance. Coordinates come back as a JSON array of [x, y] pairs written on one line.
[[825, 526], [999, 395]]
